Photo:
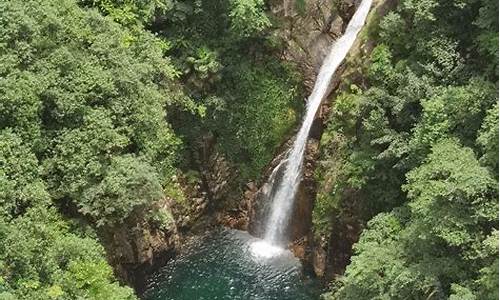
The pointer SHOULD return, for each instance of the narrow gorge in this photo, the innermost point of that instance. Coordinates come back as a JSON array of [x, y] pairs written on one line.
[[248, 267], [249, 149]]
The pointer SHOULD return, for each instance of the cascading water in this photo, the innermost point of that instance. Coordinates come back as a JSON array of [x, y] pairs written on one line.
[[284, 190]]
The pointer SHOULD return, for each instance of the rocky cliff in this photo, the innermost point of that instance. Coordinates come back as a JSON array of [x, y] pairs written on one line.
[[308, 29], [137, 247]]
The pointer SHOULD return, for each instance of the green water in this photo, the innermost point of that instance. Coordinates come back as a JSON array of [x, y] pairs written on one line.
[[220, 265]]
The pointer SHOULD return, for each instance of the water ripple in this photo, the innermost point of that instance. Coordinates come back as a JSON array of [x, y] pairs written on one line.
[[224, 265]]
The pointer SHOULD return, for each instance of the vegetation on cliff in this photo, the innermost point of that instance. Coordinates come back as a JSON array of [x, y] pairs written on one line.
[[411, 150], [228, 58], [88, 96]]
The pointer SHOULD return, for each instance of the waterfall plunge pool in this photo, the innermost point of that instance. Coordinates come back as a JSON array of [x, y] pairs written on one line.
[[231, 264]]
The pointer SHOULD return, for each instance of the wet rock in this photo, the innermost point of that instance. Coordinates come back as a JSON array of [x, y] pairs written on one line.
[[306, 193], [319, 261], [298, 248]]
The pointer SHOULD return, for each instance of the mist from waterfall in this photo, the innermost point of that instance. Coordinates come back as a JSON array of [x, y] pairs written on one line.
[[284, 189]]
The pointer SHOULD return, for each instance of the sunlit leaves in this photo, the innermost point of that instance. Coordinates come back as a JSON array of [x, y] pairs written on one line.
[[248, 18], [488, 139], [83, 107], [41, 259], [128, 183], [131, 12], [451, 193], [20, 184], [427, 249]]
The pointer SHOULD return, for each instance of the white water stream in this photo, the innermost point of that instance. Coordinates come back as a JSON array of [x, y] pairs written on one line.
[[284, 195]]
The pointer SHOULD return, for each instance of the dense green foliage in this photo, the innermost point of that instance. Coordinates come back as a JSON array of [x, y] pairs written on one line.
[[247, 18], [41, 255], [408, 253], [253, 122], [86, 93], [40, 258], [89, 103], [414, 154], [82, 124], [250, 97], [129, 12]]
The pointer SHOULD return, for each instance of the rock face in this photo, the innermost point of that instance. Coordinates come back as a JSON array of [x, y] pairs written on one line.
[[319, 258], [221, 185], [301, 220], [141, 245], [137, 247], [309, 29], [217, 175]]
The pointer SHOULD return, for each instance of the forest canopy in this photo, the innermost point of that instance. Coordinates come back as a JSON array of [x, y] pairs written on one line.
[[414, 146]]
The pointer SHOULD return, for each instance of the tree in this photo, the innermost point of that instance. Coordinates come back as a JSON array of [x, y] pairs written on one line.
[[248, 18], [20, 182], [130, 13], [41, 259], [441, 243], [83, 107], [488, 140], [128, 184]]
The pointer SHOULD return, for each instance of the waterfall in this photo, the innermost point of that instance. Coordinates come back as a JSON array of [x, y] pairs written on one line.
[[284, 190]]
